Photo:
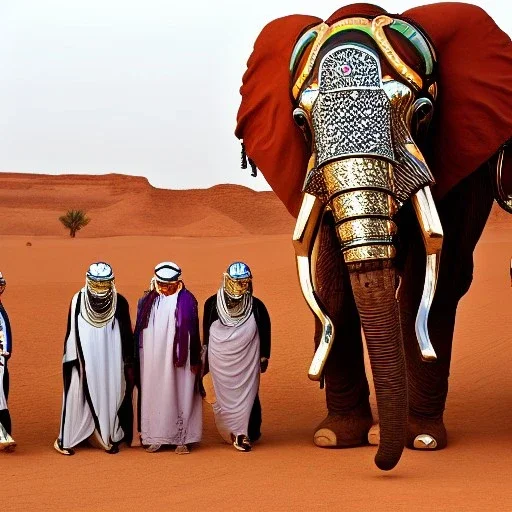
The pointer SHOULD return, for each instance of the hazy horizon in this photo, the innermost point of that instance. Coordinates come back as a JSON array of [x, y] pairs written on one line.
[[140, 88]]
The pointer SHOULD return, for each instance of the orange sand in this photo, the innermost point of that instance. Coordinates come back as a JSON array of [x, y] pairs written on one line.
[[284, 471]]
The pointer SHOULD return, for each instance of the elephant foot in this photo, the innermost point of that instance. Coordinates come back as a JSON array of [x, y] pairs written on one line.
[[343, 430], [426, 434], [374, 435], [422, 434]]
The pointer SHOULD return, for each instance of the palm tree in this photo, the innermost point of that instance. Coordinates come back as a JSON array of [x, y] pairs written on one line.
[[74, 220]]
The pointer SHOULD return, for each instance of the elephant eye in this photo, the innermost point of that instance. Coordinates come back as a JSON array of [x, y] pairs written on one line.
[[300, 118], [423, 110]]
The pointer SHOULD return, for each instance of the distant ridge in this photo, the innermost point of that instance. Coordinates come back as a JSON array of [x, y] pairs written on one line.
[[30, 204]]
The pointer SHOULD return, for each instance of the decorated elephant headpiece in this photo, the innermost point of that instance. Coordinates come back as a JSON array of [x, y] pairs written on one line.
[[473, 113]]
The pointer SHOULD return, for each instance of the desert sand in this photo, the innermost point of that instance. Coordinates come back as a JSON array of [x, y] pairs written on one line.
[[133, 227]]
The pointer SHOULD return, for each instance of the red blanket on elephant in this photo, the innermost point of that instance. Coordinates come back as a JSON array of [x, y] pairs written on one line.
[[473, 112]]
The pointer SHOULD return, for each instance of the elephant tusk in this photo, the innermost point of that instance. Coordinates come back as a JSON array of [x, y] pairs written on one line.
[[324, 347], [304, 236], [504, 200], [432, 232]]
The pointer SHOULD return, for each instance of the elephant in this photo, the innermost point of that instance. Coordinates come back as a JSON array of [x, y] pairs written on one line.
[[388, 137]]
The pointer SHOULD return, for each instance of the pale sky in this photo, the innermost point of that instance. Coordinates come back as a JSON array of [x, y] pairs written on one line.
[[142, 87]]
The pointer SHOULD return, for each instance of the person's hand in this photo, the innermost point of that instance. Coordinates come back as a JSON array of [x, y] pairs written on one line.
[[263, 364], [198, 385]]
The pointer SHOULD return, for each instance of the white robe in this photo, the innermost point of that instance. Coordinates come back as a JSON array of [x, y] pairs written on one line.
[[171, 412], [3, 400], [101, 373], [234, 361]]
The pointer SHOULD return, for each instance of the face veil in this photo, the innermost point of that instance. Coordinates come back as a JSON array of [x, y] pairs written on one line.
[[234, 297], [100, 295]]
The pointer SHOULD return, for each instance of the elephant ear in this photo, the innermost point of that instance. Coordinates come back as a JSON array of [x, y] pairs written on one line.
[[264, 120], [474, 107]]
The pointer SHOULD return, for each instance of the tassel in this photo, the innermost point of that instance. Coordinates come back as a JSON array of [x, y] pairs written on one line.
[[243, 164], [244, 159], [254, 172]]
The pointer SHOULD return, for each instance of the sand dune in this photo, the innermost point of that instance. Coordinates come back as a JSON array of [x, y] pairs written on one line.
[[284, 471], [128, 205], [30, 204]]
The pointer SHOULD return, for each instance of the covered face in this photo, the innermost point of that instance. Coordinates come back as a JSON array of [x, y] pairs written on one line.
[[99, 278], [167, 279], [237, 280], [100, 297]]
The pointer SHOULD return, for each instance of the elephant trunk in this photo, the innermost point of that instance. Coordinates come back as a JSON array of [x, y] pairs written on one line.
[[374, 285], [359, 193], [365, 229]]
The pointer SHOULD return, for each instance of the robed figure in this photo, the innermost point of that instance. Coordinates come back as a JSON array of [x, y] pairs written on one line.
[[169, 351], [7, 443], [97, 366], [237, 333]]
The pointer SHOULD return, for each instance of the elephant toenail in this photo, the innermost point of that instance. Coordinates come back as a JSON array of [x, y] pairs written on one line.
[[425, 442]]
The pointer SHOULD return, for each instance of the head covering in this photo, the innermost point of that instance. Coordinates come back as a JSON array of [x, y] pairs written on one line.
[[234, 297], [2, 283], [237, 280], [167, 271], [239, 270], [99, 295], [473, 114], [100, 271]]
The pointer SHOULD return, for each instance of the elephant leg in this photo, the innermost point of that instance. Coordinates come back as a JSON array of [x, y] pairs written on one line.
[[347, 394], [463, 213]]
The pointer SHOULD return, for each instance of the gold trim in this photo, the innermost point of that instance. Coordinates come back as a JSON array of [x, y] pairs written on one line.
[[369, 252], [432, 89], [411, 148], [365, 229], [357, 173], [392, 57], [363, 203], [324, 32], [99, 287], [322, 28], [376, 26], [363, 22]]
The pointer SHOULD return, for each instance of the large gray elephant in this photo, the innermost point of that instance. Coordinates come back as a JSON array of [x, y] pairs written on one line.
[[335, 115]]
